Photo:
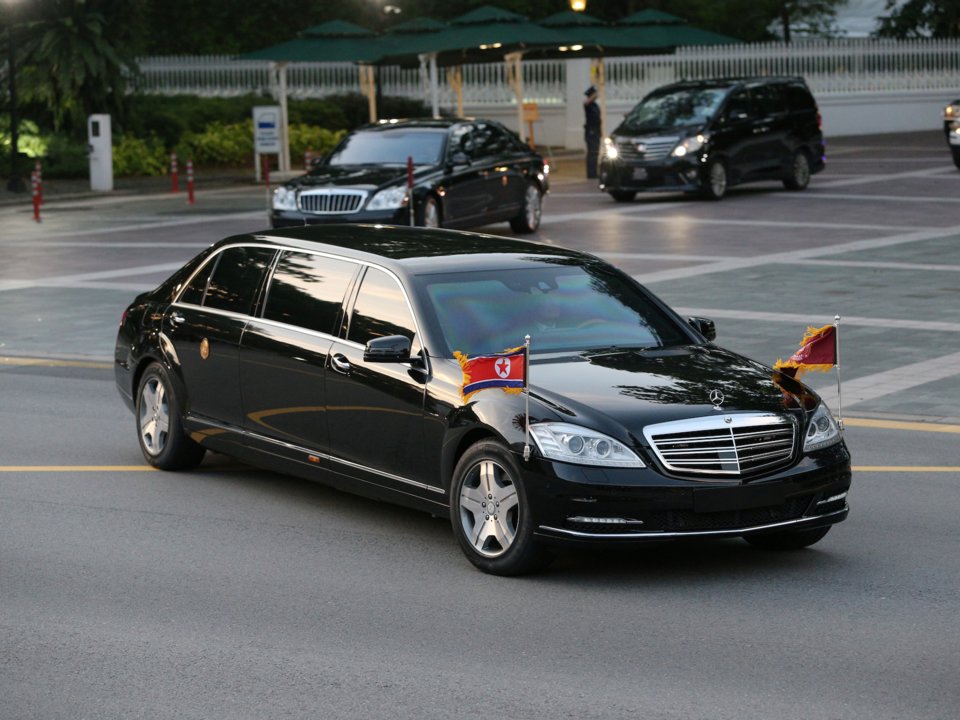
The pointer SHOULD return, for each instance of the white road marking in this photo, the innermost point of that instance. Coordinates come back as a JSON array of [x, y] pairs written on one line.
[[867, 179], [769, 223], [193, 220], [905, 377], [813, 193]]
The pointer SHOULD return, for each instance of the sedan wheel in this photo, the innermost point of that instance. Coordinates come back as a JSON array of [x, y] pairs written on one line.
[[799, 176], [529, 218], [490, 515], [715, 181], [162, 440]]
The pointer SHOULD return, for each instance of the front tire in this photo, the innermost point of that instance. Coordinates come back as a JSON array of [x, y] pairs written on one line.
[[715, 180], [787, 539], [529, 218], [799, 176], [490, 512], [429, 213], [159, 428]]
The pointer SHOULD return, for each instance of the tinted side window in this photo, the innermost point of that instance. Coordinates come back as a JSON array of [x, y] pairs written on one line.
[[307, 290], [236, 279], [487, 141], [767, 100], [799, 98], [738, 106], [193, 293], [380, 310]]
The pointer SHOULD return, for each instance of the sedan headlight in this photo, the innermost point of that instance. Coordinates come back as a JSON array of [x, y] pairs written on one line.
[[389, 199], [575, 444], [822, 431], [284, 198], [690, 145], [610, 148]]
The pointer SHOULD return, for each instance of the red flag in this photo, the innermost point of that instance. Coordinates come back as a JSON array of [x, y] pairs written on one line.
[[506, 370], [818, 351]]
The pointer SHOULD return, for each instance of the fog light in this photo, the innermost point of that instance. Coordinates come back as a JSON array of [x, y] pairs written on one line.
[[832, 499], [603, 520]]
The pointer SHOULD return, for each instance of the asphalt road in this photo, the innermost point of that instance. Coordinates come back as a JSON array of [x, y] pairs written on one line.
[[231, 592]]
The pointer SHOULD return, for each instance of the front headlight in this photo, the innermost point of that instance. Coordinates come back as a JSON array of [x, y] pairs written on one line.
[[690, 145], [575, 444], [284, 198], [389, 199], [822, 431], [610, 148]]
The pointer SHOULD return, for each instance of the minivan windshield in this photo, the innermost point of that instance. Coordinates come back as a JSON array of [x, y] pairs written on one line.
[[390, 147], [676, 108]]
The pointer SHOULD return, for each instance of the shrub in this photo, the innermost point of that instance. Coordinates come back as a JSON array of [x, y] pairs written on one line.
[[135, 156]]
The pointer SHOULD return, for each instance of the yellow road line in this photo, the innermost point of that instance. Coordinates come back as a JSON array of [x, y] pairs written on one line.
[[49, 362], [901, 425], [907, 468]]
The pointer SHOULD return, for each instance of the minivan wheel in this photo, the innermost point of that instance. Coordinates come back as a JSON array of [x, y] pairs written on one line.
[[623, 195], [490, 513], [528, 219], [714, 180], [787, 539], [429, 214], [799, 176], [159, 430]]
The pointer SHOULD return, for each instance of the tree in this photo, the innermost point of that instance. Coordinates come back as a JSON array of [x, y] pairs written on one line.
[[75, 61], [921, 18], [807, 18]]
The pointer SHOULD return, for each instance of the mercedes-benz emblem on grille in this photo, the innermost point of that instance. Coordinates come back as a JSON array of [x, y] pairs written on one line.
[[716, 397], [641, 147]]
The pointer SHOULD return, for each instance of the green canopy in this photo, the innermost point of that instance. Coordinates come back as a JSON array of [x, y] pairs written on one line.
[[659, 31], [334, 41]]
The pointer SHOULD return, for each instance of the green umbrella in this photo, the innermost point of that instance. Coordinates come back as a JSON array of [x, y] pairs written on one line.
[[659, 31], [334, 41]]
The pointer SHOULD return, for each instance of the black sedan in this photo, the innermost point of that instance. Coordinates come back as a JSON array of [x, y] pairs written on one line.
[[392, 362], [464, 173], [951, 129]]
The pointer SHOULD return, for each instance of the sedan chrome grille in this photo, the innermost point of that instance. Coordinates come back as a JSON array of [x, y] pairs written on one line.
[[724, 445], [652, 148], [330, 201]]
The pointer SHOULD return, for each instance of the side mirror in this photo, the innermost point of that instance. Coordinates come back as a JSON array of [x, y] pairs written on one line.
[[458, 158], [705, 327], [391, 348], [316, 161]]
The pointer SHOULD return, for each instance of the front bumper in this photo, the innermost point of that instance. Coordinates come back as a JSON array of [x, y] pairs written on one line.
[[671, 174], [574, 505], [295, 218]]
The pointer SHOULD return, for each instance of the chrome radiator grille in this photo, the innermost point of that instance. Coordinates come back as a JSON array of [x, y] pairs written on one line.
[[654, 148], [731, 445], [331, 202]]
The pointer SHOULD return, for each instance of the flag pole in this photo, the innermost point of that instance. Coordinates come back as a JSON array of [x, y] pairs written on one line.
[[836, 340], [526, 395]]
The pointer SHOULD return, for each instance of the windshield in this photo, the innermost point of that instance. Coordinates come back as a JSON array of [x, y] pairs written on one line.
[[390, 147], [562, 307], [676, 109]]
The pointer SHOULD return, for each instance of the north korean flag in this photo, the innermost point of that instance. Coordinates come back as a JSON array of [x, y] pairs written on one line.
[[506, 370]]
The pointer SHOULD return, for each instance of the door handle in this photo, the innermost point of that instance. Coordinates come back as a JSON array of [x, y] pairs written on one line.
[[178, 318], [765, 128], [340, 363]]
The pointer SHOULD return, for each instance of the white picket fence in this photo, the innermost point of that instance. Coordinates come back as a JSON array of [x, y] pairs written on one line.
[[829, 66]]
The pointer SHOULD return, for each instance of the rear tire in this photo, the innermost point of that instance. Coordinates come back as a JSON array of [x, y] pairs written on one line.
[[799, 175], [715, 180], [623, 196], [429, 213], [159, 427], [787, 539], [490, 512], [528, 220]]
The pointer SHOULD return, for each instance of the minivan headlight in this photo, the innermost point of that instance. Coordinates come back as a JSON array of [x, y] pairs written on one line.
[[822, 431], [575, 444], [284, 198], [610, 148], [389, 199], [690, 145]]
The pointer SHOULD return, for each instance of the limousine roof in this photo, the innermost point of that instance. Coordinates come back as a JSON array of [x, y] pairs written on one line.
[[411, 248]]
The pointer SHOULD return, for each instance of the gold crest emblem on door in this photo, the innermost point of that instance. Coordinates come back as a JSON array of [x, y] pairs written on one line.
[[204, 349]]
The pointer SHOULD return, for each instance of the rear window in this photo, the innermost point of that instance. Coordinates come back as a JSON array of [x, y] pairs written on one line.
[[236, 279], [307, 290], [799, 97]]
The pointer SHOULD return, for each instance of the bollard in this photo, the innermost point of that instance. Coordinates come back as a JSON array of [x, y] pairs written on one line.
[[265, 160], [38, 169], [35, 185], [413, 219], [174, 180], [190, 199]]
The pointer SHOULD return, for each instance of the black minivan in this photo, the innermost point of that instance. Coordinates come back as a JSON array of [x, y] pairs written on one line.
[[704, 136]]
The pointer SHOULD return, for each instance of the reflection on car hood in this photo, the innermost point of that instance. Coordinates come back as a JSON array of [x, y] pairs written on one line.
[[642, 387], [351, 176]]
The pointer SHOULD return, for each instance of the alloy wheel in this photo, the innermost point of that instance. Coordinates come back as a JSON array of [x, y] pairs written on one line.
[[489, 509], [154, 416], [718, 179], [533, 207]]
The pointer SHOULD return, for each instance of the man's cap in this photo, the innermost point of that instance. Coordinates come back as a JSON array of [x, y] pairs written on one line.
[[592, 90]]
